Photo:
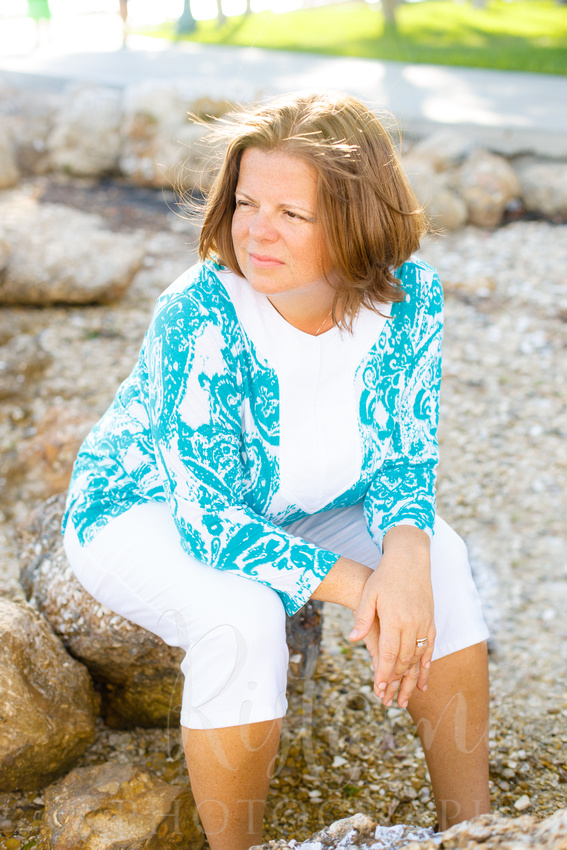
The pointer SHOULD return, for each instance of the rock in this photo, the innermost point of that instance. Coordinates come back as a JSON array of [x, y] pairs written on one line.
[[113, 806], [47, 703], [160, 147], [9, 173], [358, 831], [48, 456], [544, 188], [487, 183], [522, 803], [29, 114], [138, 673], [21, 363], [4, 254], [57, 254], [492, 832], [303, 633], [443, 149], [495, 832], [85, 140], [444, 208]]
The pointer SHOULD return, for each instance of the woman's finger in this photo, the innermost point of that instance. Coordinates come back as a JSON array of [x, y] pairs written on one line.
[[425, 660], [364, 617], [408, 684], [388, 655]]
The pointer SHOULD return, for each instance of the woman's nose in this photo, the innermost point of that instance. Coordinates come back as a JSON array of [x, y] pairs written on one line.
[[261, 227]]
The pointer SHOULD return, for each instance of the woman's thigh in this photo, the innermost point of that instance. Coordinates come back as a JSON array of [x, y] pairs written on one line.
[[458, 613], [233, 629]]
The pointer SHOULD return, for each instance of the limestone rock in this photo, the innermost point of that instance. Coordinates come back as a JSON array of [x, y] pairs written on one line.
[[9, 173], [138, 673], [119, 807], [29, 114], [544, 188], [443, 149], [491, 832], [160, 147], [57, 254], [49, 455], [496, 832], [358, 831], [445, 209], [85, 140], [48, 706], [487, 183]]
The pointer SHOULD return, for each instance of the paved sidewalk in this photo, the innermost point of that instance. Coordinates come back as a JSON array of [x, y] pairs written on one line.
[[514, 112]]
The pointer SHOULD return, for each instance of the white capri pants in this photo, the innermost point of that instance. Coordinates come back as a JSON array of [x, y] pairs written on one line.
[[233, 628]]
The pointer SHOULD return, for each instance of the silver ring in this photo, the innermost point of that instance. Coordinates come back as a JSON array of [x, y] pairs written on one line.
[[421, 642]]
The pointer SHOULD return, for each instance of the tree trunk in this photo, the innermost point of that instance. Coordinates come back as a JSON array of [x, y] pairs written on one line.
[[221, 17], [389, 10], [186, 22]]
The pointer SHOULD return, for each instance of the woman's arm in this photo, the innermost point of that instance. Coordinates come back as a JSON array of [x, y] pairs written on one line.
[[393, 607], [400, 596], [195, 391], [400, 503], [403, 488]]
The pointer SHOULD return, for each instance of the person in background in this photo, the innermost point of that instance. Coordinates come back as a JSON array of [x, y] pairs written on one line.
[[40, 12], [124, 15], [277, 442]]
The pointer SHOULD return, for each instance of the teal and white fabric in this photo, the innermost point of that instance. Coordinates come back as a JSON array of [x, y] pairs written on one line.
[[243, 424]]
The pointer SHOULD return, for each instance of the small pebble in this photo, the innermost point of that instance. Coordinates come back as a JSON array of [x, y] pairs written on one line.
[[522, 803]]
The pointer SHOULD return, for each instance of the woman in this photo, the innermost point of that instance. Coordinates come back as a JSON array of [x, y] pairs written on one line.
[[276, 442]]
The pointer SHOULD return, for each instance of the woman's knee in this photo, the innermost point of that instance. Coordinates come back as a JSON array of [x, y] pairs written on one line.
[[236, 671]]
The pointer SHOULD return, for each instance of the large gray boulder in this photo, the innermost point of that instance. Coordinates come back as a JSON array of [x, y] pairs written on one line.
[[61, 255], [444, 149], [161, 147], [487, 183], [544, 187], [85, 140], [443, 207], [48, 705], [29, 115], [119, 807]]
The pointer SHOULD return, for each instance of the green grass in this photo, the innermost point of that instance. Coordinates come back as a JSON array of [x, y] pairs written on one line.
[[520, 35]]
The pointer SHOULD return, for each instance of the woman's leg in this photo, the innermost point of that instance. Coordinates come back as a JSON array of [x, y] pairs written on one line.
[[235, 668], [452, 715], [452, 721], [230, 771]]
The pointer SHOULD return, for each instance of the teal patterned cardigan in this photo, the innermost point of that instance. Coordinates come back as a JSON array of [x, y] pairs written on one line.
[[176, 433]]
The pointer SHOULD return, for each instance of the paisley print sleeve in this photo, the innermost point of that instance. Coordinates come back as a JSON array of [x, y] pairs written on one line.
[[195, 399], [403, 488]]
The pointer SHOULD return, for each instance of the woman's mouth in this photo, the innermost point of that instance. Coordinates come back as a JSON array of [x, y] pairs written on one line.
[[262, 261]]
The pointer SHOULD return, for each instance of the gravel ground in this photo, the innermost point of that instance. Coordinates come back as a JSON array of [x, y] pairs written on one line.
[[501, 485]]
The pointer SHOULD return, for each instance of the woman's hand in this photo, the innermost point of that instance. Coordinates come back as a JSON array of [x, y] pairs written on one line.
[[399, 594]]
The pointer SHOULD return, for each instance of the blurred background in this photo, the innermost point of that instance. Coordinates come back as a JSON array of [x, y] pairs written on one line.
[[520, 35]]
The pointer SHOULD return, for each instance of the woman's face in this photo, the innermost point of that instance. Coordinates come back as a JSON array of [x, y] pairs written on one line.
[[277, 236]]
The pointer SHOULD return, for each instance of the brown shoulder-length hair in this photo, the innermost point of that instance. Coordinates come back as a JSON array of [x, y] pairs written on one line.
[[370, 217]]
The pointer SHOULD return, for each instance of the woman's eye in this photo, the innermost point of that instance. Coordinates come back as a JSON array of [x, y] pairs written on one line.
[[294, 215], [240, 203]]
